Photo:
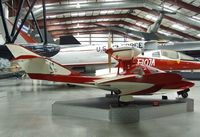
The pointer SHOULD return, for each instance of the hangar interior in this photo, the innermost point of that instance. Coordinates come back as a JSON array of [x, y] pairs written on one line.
[[27, 105]]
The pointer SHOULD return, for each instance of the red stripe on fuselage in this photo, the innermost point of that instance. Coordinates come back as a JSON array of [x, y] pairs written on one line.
[[84, 64], [168, 64], [24, 35], [180, 85], [27, 37], [62, 78], [26, 57]]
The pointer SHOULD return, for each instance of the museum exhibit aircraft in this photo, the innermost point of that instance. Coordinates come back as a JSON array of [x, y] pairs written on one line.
[[133, 80], [152, 31], [90, 58], [191, 48], [82, 63]]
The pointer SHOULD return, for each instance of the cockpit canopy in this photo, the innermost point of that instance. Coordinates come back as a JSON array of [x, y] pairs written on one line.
[[172, 55], [143, 70]]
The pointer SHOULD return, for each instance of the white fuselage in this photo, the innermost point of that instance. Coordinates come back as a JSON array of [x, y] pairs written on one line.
[[90, 57]]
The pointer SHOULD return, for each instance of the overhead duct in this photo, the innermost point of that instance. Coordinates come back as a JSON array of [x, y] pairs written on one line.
[[89, 6]]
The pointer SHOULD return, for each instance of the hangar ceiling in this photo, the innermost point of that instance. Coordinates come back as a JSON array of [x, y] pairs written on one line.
[[92, 16]]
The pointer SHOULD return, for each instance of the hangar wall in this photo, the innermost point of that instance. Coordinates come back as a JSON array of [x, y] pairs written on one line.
[[100, 38]]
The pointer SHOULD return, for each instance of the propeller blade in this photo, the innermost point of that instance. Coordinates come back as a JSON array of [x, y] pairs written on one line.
[[109, 54]]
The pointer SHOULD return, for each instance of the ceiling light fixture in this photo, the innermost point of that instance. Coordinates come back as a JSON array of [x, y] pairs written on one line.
[[164, 32], [170, 8], [195, 18], [37, 6], [178, 26], [151, 17], [103, 12], [78, 5]]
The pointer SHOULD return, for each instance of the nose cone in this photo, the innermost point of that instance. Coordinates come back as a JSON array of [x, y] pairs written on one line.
[[5, 53], [186, 84], [182, 84]]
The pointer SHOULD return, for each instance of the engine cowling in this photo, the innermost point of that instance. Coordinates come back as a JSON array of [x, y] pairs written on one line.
[[125, 53]]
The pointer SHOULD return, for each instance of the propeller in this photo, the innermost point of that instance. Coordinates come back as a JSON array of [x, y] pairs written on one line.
[[109, 53]]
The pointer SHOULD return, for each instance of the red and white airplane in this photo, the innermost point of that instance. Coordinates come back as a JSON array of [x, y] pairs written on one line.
[[91, 58], [133, 80]]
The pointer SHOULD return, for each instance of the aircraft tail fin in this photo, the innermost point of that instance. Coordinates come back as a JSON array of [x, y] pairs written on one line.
[[67, 40], [36, 66], [23, 37]]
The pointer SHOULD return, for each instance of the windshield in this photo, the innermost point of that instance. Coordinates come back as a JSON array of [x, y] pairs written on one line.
[[156, 54], [170, 54], [186, 57]]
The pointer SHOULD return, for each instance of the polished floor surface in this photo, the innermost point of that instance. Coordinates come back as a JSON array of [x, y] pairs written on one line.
[[25, 111]]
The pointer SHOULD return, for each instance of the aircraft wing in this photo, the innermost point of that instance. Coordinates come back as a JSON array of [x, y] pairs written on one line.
[[127, 31], [170, 38], [147, 36]]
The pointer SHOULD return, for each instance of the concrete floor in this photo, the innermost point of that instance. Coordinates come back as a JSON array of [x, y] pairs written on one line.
[[25, 111]]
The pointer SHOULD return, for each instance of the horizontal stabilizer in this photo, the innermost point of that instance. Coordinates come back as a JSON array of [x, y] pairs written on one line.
[[33, 63]]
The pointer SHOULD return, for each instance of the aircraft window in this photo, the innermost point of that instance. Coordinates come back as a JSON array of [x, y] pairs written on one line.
[[170, 54], [186, 57], [156, 54]]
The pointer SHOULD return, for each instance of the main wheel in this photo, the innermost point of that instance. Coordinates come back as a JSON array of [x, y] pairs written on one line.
[[184, 94]]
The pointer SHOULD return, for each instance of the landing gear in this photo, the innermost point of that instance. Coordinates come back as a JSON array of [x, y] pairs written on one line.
[[184, 93], [112, 93], [125, 100], [120, 103]]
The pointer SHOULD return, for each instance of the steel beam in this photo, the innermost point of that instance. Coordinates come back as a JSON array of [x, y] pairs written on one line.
[[8, 38], [23, 21], [168, 17], [184, 5], [35, 22], [50, 22], [102, 23], [95, 32], [91, 6], [44, 21], [17, 17]]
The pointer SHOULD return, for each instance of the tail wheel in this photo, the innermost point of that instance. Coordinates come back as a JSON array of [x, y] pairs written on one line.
[[184, 94]]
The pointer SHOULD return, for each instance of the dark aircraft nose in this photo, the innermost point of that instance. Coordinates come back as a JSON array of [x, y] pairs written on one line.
[[5, 53]]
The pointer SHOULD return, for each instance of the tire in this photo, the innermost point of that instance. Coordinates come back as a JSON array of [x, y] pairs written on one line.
[[184, 94]]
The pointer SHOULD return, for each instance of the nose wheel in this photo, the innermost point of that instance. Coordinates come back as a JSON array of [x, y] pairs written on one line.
[[184, 93]]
